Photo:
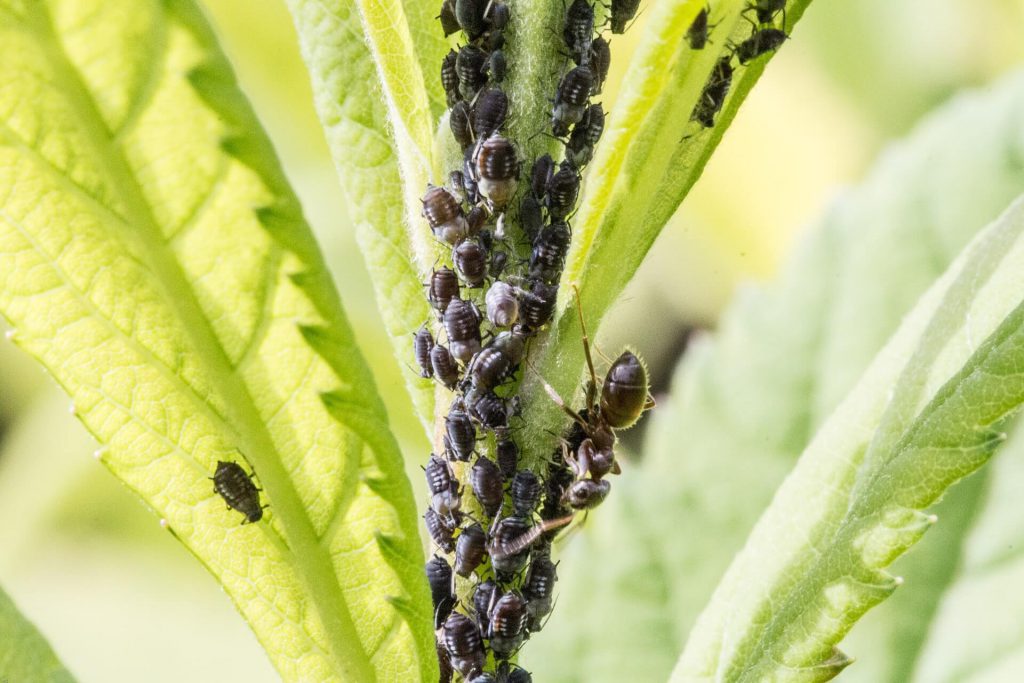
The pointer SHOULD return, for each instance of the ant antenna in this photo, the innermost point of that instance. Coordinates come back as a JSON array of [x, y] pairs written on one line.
[[558, 399], [592, 388]]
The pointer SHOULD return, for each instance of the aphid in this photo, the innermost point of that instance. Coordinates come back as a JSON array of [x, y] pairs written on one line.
[[549, 249], [235, 486], [540, 175], [767, 9], [697, 34], [444, 663], [444, 214], [570, 99], [485, 479], [497, 169], [442, 588], [460, 434], [490, 367], [483, 597], [422, 345], [600, 61], [499, 259], [502, 304], [441, 530], [443, 486], [507, 455], [457, 186], [562, 190], [470, 15], [761, 42], [449, 22], [471, 262], [560, 477], [488, 409], [449, 76], [507, 624], [585, 494], [496, 63], [444, 366], [530, 216], [464, 645], [512, 539], [623, 12], [462, 324], [525, 492], [470, 549], [713, 96], [471, 67], [537, 305], [585, 135], [539, 589], [475, 219], [459, 122], [578, 31], [472, 190], [489, 112], [485, 677]]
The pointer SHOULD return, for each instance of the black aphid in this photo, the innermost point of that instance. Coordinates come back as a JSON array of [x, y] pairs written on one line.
[[525, 492], [422, 345], [444, 214], [471, 66], [441, 530], [442, 588], [539, 588], [559, 478], [623, 12], [484, 595], [460, 434], [470, 15], [489, 112], [496, 64], [442, 288], [459, 122], [464, 646], [502, 304], [507, 455], [498, 15], [761, 42], [488, 409], [462, 324], [486, 481], [235, 486], [585, 135], [450, 77], [445, 369], [540, 175], [600, 61], [507, 674], [485, 677], [767, 9], [471, 262], [497, 169], [537, 305], [562, 190], [697, 34], [531, 218], [585, 494], [443, 486], [490, 368], [507, 624], [510, 557], [470, 549], [715, 91], [549, 249], [578, 31], [499, 259], [571, 99]]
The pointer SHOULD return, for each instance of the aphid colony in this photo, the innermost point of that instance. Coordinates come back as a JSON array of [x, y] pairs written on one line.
[[490, 302], [765, 38]]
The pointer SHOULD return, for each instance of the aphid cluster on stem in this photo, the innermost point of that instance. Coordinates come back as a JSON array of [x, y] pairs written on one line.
[[491, 300]]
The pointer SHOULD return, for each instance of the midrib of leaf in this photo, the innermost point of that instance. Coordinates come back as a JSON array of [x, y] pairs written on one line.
[[857, 515], [242, 417]]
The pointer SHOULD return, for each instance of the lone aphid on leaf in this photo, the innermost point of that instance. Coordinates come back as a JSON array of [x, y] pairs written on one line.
[[235, 486]]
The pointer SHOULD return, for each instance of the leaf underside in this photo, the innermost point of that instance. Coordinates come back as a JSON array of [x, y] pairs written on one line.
[[154, 259], [745, 404], [24, 655]]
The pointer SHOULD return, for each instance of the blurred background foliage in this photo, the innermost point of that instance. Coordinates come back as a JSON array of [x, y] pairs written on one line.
[[120, 600]]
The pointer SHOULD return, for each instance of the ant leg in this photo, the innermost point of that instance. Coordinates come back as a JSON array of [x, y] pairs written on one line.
[[558, 399], [592, 388]]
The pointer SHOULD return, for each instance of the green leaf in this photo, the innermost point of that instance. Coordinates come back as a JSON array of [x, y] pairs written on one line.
[[154, 259], [744, 404], [394, 244], [25, 656], [650, 156], [927, 412]]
